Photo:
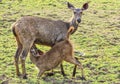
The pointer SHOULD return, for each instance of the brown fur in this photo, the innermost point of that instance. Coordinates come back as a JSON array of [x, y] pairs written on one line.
[[51, 59], [30, 30]]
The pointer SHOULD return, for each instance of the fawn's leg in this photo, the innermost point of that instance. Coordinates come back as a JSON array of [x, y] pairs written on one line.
[[74, 70], [62, 70], [40, 73], [76, 62]]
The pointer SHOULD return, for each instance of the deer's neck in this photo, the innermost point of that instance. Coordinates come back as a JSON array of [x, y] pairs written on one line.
[[74, 24]]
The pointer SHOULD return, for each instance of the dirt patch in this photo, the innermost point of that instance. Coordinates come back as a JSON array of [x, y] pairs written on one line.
[[4, 79]]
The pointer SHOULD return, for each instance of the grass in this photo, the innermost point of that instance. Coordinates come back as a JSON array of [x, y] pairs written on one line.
[[98, 36]]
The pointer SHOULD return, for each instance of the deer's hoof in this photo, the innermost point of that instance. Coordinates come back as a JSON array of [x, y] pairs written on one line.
[[83, 78], [50, 74], [18, 74], [24, 76], [64, 75]]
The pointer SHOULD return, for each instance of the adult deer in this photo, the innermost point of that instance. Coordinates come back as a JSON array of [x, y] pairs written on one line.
[[30, 30]]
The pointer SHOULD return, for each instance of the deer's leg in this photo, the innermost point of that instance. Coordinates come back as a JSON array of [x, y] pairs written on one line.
[[76, 62], [16, 57], [62, 70], [23, 56]]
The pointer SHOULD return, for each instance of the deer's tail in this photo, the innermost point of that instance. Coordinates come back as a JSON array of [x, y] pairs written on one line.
[[13, 30], [16, 35]]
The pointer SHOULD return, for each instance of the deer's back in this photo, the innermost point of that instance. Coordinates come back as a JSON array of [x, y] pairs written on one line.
[[44, 31]]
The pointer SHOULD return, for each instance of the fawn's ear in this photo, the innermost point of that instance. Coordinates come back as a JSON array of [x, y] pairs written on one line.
[[70, 6], [71, 29], [85, 6]]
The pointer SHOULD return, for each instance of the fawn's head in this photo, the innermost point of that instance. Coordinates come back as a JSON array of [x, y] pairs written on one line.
[[34, 51], [77, 11]]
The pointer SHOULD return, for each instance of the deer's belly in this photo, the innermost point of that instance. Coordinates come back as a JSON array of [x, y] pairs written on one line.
[[50, 41], [47, 43]]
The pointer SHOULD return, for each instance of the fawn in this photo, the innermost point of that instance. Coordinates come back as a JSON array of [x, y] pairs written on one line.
[[62, 50]]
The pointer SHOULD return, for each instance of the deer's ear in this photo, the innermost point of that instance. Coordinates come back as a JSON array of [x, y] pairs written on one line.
[[70, 6], [85, 6]]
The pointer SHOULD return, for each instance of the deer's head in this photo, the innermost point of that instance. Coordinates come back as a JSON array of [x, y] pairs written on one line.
[[77, 11]]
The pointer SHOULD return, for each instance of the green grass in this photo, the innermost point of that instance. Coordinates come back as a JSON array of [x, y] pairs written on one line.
[[98, 36]]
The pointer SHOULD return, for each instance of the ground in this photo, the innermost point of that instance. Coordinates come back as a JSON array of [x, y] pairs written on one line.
[[98, 37]]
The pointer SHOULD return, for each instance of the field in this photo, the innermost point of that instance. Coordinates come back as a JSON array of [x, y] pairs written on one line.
[[98, 37]]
